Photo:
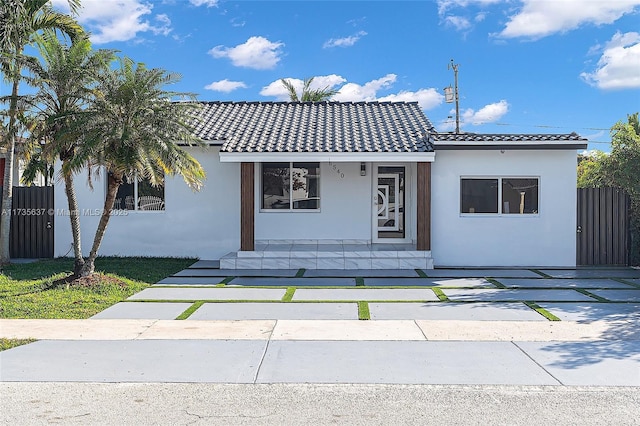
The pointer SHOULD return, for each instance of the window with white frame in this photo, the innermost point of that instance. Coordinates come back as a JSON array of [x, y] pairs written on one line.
[[290, 186], [139, 195], [505, 195]]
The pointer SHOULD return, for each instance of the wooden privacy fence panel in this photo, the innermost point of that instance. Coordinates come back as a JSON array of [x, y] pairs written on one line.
[[32, 223], [603, 227]]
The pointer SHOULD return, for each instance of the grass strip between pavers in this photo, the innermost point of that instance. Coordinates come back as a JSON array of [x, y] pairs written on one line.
[[542, 311], [623, 281], [496, 282], [288, 295], [588, 293], [363, 311], [542, 274], [421, 273], [443, 297], [191, 309], [359, 282], [300, 273]]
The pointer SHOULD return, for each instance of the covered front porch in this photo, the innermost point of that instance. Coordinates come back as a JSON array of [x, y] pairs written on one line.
[[365, 215]]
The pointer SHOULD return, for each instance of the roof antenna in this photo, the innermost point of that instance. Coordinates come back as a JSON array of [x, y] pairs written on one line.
[[451, 93]]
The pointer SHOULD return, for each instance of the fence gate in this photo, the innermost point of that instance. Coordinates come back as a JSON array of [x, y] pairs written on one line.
[[32, 216], [603, 227]]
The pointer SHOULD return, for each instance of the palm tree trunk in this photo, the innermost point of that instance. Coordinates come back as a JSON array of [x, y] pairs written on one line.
[[74, 217], [113, 184], [7, 189]]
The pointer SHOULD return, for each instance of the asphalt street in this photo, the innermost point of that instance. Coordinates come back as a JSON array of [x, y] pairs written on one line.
[[304, 404]]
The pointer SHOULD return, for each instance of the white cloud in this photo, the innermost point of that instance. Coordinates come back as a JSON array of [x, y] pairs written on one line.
[[619, 65], [345, 41], [462, 19], [257, 52], [277, 89], [237, 22], [164, 27], [445, 5], [366, 92], [108, 22], [208, 3], [487, 114], [353, 92], [592, 153], [225, 86], [426, 98], [460, 23], [538, 19]]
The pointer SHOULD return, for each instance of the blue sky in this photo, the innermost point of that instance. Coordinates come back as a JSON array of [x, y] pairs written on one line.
[[525, 66]]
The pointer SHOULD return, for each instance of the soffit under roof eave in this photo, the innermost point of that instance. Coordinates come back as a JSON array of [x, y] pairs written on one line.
[[334, 157]]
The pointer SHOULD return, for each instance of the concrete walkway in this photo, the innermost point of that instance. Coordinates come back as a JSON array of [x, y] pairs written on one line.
[[338, 330], [401, 352], [461, 327]]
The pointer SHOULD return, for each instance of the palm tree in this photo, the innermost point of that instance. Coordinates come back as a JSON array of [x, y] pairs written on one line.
[[134, 135], [20, 21], [65, 76], [308, 94]]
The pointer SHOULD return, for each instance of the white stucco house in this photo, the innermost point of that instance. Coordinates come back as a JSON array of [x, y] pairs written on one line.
[[349, 185]]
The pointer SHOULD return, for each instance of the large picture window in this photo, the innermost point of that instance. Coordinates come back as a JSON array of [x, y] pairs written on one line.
[[499, 195], [290, 186], [139, 195]]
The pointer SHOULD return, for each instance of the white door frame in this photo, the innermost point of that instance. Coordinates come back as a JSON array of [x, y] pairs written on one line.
[[374, 203]]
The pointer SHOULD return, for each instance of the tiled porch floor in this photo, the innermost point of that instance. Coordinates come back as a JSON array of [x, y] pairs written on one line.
[[333, 255]]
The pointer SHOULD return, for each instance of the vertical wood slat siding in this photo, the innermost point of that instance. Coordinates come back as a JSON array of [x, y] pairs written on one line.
[[32, 222], [423, 237], [247, 240], [603, 221]]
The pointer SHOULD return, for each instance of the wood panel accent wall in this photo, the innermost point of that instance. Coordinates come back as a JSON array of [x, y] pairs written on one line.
[[1, 171], [424, 207], [247, 220]]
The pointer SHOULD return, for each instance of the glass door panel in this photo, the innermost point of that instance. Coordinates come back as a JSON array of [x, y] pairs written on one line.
[[390, 201]]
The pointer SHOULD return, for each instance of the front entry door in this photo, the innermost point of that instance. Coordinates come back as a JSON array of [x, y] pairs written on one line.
[[389, 203]]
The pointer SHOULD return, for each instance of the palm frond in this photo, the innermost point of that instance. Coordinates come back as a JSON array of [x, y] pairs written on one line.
[[137, 126], [293, 95], [308, 94]]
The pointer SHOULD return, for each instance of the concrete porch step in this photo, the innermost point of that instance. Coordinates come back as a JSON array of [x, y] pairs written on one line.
[[334, 259]]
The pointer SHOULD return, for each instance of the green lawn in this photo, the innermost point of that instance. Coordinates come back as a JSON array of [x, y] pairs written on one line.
[[30, 290]]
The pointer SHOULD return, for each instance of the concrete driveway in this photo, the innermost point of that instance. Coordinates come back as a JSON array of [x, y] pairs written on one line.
[[456, 327]]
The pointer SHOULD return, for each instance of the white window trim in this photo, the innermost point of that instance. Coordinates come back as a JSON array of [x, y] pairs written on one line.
[[290, 209], [500, 207]]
